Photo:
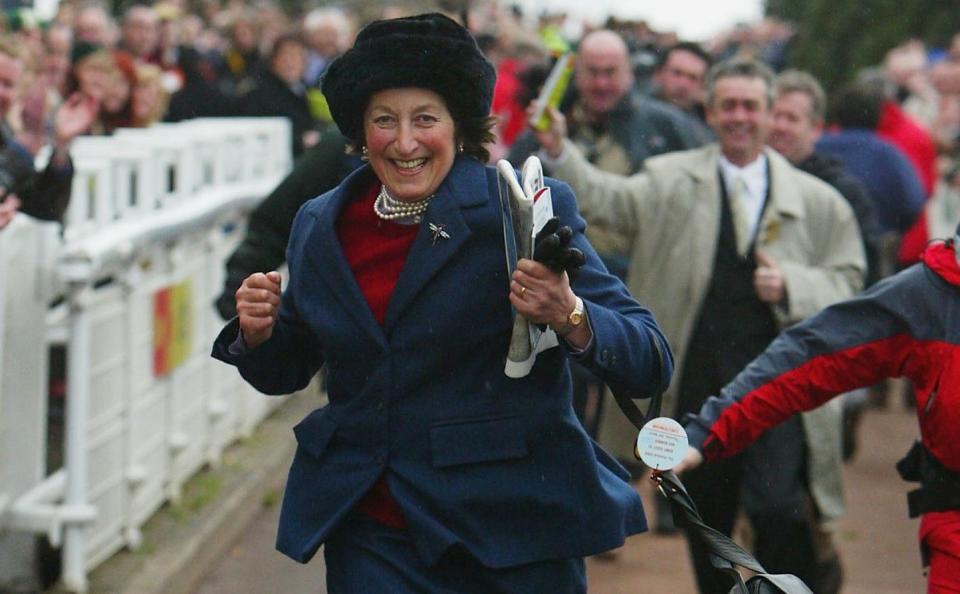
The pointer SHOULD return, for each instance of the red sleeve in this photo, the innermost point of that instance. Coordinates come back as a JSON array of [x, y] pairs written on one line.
[[802, 388]]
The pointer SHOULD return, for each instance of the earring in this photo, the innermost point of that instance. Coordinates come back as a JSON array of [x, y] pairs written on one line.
[[460, 148], [364, 153]]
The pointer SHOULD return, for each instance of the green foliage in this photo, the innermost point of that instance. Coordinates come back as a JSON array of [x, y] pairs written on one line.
[[837, 38]]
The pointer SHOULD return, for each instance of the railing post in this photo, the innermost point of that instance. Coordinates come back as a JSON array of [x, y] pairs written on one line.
[[23, 394], [78, 412]]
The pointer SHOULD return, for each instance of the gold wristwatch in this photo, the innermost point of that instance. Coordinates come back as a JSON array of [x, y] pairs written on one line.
[[575, 317]]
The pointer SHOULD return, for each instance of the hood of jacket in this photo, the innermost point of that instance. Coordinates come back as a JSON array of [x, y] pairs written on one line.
[[941, 258]]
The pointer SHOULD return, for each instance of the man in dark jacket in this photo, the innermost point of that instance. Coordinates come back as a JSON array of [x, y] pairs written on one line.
[[893, 184], [798, 114], [268, 228], [680, 77], [615, 127], [281, 92]]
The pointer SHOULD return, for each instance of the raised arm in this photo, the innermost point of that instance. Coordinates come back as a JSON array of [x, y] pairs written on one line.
[[269, 343], [605, 199], [848, 345]]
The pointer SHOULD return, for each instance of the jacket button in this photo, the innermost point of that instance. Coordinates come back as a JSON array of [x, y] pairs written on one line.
[[380, 405], [604, 355]]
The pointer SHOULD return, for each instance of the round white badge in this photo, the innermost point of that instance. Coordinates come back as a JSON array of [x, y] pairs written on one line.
[[662, 443]]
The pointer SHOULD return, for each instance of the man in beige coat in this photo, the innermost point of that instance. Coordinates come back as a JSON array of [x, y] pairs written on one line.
[[730, 244]]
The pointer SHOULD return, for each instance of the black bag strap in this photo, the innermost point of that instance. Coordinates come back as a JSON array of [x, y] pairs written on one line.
[[725, 554], [720, 545], [633, 412], [629, 407]]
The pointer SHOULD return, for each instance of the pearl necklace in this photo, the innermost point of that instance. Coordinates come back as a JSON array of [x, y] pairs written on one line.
[[389, 208]]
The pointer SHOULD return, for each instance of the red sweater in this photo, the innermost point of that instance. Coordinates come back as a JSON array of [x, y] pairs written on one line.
[[376, 251]]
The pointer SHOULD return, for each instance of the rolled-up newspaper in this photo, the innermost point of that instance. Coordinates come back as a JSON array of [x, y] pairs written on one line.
[[525, 208], [552, 91]]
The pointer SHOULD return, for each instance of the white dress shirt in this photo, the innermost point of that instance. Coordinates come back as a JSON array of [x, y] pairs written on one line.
[[754, 176]]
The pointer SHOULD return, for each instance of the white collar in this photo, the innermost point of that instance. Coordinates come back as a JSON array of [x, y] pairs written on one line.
[[754, 174]]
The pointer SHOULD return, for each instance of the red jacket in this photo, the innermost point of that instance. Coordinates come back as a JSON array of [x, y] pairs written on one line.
[[907, 325]]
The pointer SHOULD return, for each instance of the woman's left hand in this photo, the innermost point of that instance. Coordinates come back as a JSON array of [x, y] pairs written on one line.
[[542, 295]]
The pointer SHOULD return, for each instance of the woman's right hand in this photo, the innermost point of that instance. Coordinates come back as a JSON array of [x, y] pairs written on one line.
[[258, 304]]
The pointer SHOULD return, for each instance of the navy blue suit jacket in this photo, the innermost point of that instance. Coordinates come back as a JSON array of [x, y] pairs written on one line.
[[500, 466]]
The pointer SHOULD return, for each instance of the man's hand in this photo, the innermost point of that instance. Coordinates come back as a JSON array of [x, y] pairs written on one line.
[[258, 305], [310, 138], [8, 209], [692, 459], [768, 280], [551, 139]]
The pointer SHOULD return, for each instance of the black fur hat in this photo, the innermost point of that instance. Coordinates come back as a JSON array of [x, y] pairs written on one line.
[[428, 51]]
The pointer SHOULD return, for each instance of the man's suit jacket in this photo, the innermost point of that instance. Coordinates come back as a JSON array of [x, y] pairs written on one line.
[[671, 211], [498, 465]]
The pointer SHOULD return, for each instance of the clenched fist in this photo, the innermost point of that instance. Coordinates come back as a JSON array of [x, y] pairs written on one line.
[[258, 304]]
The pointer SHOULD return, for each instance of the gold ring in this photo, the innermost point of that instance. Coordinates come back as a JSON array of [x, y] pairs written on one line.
[[522, 290]]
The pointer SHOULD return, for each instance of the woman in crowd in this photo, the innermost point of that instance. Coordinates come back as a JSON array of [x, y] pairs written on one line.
[[149, 99], [107, 77], [430, 470]]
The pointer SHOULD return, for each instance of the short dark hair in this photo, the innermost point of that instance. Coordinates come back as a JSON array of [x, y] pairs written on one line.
[[474, 133], [858, 104], [290, 37], [684, 46], [745, 67]]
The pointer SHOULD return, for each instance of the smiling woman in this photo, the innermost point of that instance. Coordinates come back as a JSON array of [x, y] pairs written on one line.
[[410, 142], [430, 470]]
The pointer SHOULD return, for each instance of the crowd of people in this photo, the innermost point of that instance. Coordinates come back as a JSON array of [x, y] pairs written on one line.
[[722, 189]]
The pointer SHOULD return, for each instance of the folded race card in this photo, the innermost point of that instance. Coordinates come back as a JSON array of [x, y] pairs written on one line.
[[526, 207]]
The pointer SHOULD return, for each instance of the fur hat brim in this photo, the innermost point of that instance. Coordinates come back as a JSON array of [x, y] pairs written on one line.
[[427, 51]]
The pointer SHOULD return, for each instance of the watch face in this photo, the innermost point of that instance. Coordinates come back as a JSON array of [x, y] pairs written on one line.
[[575, 318]]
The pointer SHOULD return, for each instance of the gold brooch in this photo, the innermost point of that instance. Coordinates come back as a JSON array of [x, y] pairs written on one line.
[[770, 232]]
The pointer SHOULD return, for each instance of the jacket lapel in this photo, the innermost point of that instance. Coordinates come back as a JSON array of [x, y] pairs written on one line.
[[465, 186], [328, 263], [783, 201]]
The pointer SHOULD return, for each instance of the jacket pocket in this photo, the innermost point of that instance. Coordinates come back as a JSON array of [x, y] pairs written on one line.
[[314, 431], [478, 440]]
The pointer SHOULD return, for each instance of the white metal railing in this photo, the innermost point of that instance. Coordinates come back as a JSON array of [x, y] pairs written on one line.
[[153, 215]]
